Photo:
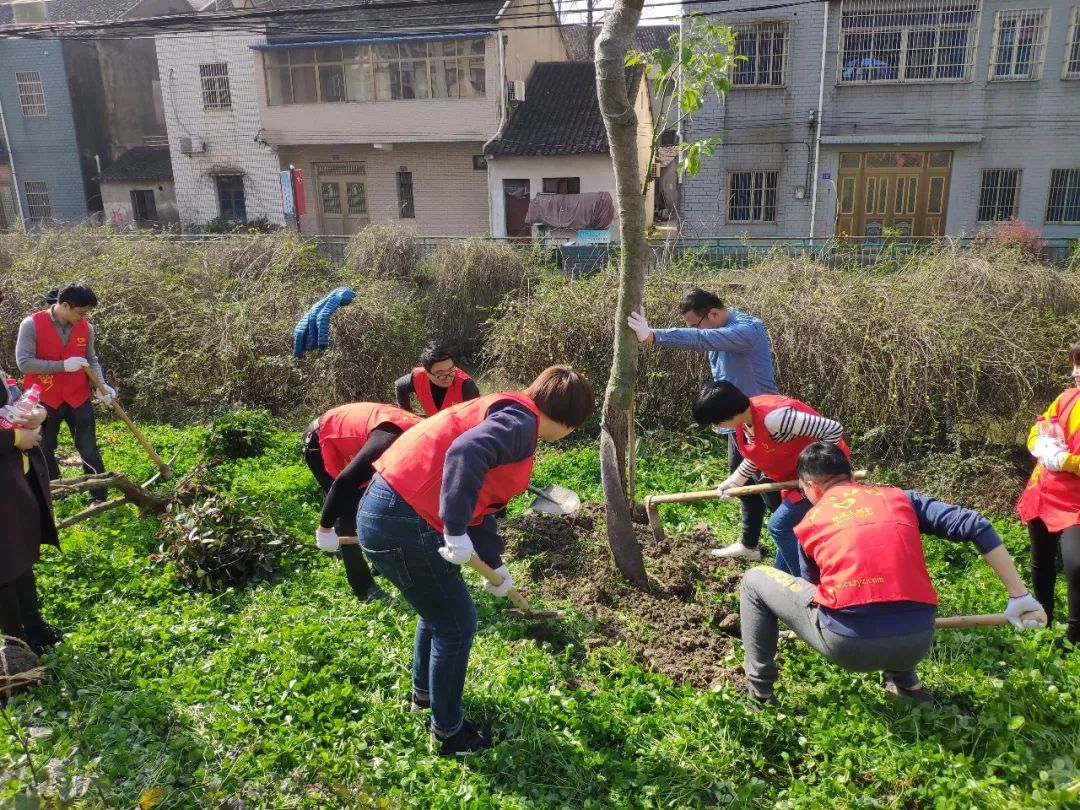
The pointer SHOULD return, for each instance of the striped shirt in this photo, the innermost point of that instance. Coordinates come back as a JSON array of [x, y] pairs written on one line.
[[785, 425]]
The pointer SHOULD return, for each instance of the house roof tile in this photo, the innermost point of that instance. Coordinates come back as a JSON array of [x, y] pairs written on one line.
[[140, 163]]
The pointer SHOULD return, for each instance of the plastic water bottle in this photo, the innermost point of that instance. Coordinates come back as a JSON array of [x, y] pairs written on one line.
[[1050, 429], [23, 408]]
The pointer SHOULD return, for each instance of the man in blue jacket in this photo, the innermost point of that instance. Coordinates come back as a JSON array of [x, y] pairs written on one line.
[[740, 353]]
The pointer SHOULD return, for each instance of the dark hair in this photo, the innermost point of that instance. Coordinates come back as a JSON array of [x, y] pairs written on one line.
[[434, 353], [719, 401], [1074, 353], [822, 460], [77, 295], [51, 296], [699, 301], [563, 395]]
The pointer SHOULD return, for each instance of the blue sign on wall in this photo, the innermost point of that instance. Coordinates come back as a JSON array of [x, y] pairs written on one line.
[[288, 201]]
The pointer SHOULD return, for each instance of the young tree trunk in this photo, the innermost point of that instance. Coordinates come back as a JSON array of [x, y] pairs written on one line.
[[621, 123]]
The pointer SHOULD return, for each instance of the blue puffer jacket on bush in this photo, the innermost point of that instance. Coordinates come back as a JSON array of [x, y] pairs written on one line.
[[313, 330]]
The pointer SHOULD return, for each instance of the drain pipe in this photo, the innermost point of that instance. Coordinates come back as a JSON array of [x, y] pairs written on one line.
[[817, 131]]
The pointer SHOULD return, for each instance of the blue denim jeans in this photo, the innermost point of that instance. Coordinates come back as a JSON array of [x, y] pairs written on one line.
[[782, 528], [403, 547]]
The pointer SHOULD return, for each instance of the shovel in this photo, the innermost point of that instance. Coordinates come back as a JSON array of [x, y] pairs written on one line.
[[984, 620], [521, 604], [653, 502], [554, 500], [163, 468]]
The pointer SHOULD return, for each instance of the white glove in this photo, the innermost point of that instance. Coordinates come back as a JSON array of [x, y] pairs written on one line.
[[725, 485], [75, 363], [1053, 462], [327, 539], [1046, 447], [1018, 606], [503, 588], [637, 322], [106, 394], [458, 549]]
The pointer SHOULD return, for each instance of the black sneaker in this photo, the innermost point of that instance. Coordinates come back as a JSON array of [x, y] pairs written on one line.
[[1064, 644], [913, 693], [470, 739], [376, 594], [41, 637], [756, 702], [419, 704]]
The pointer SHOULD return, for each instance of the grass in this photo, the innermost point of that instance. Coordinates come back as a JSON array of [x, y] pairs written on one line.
[[290, 694]]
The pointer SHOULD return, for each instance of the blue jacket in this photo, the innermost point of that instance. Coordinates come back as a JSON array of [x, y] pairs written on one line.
[[313, 330]]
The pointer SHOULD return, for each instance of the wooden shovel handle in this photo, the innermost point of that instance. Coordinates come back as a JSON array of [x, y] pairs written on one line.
[[163, 468], [737, 492], [984, 620], [488, 573]]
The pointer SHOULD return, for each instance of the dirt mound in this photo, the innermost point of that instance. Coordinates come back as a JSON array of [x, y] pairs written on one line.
[[681, 626]]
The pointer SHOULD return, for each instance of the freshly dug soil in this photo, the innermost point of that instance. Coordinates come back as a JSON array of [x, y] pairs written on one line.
[[681, 626]]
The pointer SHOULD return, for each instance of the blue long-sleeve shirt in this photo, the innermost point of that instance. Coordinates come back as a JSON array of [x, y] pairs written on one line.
[[944, 520], [739, 351], [507, 435]]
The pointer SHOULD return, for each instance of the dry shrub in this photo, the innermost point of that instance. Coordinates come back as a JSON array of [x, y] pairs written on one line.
[[191, 329], [467, 280], [951, 349], [384, 251]]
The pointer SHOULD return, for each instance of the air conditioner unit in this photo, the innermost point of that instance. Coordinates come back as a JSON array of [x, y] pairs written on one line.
[[515, 90], [192, 146]]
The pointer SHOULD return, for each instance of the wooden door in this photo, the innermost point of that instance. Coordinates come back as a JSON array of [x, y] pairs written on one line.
[[516, 204], [342, 196], [904, 192]]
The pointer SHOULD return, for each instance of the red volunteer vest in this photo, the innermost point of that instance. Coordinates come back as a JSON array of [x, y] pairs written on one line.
[[866, 543], [413, 466], [1055, 496], [345, 429], [72, 387], [421, 381], [778, 460]]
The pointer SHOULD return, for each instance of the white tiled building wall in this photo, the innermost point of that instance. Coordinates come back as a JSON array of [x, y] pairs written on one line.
[[231, 135]]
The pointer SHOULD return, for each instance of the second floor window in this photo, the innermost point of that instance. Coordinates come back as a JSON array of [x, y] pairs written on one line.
[[998, 194], [927, 40], [388, 71], [1071, 68], [761, 48], [752, 197], [1019, 44], [31, 93], [1063, 206], [215, 86]]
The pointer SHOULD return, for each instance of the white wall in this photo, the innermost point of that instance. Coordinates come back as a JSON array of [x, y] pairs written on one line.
[[116, 198], [230, 135]]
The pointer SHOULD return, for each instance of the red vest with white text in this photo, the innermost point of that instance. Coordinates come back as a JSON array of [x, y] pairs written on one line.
[[413, 466], [866, 543], [345, 429], [1055, 496], [72, 387], [777, 460], [421, 382]]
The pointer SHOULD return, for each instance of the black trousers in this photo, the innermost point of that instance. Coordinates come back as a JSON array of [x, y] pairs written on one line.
[[753, 507], [1044, 557], [81, 423], [19, 608]]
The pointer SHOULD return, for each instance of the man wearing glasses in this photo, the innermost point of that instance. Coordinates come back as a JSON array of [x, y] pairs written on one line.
[[740, 353], [437, 383]]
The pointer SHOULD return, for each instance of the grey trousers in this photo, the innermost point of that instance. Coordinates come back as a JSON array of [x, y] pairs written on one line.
[[769, 595]]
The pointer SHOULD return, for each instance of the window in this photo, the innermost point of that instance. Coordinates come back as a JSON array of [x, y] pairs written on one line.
[[1064, 203], [143, 206], [215, 86], [406, 205], [924, 41], [230, 192], [479, 162], [999, 194], [562, 185], [669, 137], [759, 50], [385, 71], [1071, 68], [37, 201], [752, 197], [31, 93], [1019, 45]]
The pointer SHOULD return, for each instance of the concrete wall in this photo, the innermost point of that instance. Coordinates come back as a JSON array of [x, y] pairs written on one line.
[[534, 42], [450, 196], [43, 148], [230, 135], [1028, 125], [116, 198]]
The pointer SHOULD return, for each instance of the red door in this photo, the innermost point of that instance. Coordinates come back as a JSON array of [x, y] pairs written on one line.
[[516, 203]]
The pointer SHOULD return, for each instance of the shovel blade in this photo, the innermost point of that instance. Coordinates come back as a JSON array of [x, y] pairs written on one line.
[[555, 500]]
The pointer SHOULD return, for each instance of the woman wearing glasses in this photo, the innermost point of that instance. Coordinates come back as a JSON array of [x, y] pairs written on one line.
[[437, 382]]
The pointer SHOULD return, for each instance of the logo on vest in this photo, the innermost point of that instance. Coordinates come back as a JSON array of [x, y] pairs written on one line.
[[81, 341], [47, 381]]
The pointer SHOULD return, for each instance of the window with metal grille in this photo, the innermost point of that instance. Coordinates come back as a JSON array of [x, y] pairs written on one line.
[[1071, 68], [37, 200], [340, 169], [895, 41], [998, 194], [406, 204], [31, 93], [1019, 44], [752, 196], [215, 86], [1063, 207], [230, 191], [759, 52]]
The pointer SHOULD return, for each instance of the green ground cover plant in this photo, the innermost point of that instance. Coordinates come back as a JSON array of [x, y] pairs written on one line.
[[288, 693]]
